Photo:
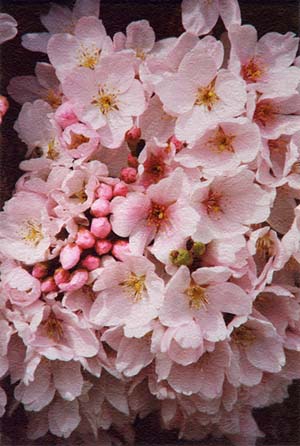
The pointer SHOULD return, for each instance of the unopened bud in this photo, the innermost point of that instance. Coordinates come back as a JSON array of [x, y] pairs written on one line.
[[181, 257], [128, 175]]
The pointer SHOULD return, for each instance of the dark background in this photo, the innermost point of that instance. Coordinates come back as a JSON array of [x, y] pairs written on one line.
[[281, 423]]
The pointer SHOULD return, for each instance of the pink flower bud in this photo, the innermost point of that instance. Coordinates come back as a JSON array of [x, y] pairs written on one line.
[[85, 239], [103, 247], [64, 115], [40, 270], [100, 207], [61, 275], [133, 134], [69, 255], [4, 105], [91, 262], [104, 191], [120, 189], [48, 285], [120, 248], [132, 161], [128, 174], [100, 227], [78, 278]]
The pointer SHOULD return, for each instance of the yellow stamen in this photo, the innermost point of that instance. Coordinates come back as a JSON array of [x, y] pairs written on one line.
[[196, 296], [221, 142], [88, 57], [265, 246], [207, 96], [106, 102], [77, 140], [32, 233], [134, 285], [53, 328], [52, 154]]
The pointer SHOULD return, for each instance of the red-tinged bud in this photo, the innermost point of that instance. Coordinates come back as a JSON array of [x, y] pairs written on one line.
[[4, 105], [61, 275], [120, 248], [103, 247], [85, 239], [91, 262], [100, 208], [133, 135], [128, 175], [77, 280], [40, 270], [70, 255], [48, 285], [132, 161], [120, 189], [104, 191], [100, 227]]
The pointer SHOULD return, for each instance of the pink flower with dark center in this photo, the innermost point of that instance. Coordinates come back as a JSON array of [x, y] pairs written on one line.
[[202, 297], [200, 97], [162, 214], [107, 97], [129, 294], [228, 205]]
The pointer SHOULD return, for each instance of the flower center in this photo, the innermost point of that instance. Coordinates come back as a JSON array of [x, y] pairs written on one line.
[[155, 166], [105, 101], [212, 203], [32, 233], [196, 296], [243, 336], [264, 113], [265, 246], [278, 145], [53, 99], [81, 195], [52, 154], [156, 214], [88, 57], [252, 71], [77, 140], [221, 142], [207, 96], [135, 285], [140, 54], [53, 328]]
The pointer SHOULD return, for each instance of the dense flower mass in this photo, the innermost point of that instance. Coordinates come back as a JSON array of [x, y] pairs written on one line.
[[150, 254]]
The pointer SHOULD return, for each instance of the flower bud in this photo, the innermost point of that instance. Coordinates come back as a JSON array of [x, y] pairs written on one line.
[[48, 285], [181, 257], [103, 247], [133, 134], [128, 174], [4, 105], [120, 189], [69, 255], [61, 275], [198, 249], [104, 191], [78, 278], [85, 238], [100, 207], [91, 262], [120, 248], [100, 227], [40, 270]]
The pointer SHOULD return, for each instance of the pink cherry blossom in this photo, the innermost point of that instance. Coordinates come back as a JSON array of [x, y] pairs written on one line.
[[105, 99], [202, 297]]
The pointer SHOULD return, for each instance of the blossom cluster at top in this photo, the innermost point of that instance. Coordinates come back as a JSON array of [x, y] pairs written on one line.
[[150, 254]]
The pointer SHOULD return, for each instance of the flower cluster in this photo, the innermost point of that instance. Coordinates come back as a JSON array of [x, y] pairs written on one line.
[[150, 255]]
